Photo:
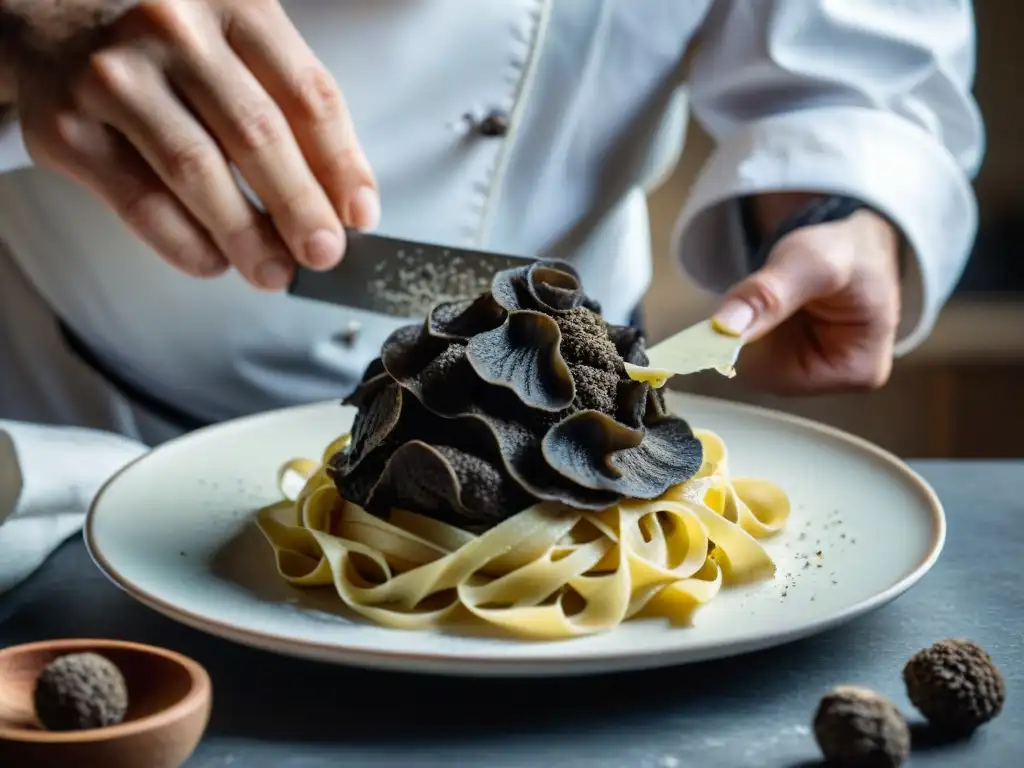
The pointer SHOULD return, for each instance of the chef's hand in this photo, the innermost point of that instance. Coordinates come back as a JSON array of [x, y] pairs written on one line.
[[150, 108], [823, 311]]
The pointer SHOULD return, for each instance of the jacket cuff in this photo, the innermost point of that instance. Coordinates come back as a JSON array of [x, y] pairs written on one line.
[[886, 161]]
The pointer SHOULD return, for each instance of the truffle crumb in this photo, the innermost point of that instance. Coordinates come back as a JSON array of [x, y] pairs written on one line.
[[955, 685], [442, 370], [595, 389], [856, 727], [593, 360], [585, 340], [80, 691]]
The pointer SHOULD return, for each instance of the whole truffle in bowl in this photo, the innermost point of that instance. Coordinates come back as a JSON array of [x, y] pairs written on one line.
[[80, 691], [517, 396], [90, 680]]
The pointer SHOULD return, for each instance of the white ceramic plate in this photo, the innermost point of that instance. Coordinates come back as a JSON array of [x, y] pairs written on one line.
[[175, 531]]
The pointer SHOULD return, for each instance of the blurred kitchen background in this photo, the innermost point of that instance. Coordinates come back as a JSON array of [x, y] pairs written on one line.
[[962, 393]]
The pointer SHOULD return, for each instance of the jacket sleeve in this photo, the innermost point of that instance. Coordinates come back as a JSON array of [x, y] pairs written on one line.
[[870, 99], [48, 478], [13, 154]]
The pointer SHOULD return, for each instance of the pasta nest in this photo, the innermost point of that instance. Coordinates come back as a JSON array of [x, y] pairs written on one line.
[[548, 572]]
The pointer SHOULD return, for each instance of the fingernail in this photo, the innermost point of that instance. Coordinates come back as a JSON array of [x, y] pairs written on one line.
[[734, 318], [273, 275], [210, 263], [365, 209], [211, 267], [323, 249]]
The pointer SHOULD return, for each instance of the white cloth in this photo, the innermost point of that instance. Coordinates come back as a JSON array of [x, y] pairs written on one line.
[[49, 477], [870, 98]]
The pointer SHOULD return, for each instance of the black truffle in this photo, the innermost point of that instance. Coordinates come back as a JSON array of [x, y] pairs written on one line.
[[955, 685], [80, 691], [858, 728]]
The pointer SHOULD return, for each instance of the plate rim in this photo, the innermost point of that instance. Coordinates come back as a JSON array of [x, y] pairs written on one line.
[[604, 661]]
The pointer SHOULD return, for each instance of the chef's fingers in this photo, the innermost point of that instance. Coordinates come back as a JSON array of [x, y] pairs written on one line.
[[806, 265], [123, 89], [806, 356], [107, 165], [313, 104], [256, 137]]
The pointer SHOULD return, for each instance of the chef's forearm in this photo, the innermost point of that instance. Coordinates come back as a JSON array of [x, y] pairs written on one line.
[[770, 210], [10, 30]]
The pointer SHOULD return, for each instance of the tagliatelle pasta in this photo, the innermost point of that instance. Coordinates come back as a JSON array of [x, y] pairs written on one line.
[[548, 572]]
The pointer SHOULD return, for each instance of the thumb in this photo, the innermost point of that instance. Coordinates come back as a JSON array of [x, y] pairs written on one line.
[[796, 273]]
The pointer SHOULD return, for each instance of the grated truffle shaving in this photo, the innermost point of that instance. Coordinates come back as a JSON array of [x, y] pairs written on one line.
[[517, 396]]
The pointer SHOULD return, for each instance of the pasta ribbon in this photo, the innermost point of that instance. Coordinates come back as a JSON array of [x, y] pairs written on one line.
[[546, 573]]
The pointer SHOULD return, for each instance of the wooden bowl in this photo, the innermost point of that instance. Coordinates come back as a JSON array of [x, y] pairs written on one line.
[[168, 709]]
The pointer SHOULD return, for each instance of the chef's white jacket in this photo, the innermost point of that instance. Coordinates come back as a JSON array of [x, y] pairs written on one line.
[[869, 98]]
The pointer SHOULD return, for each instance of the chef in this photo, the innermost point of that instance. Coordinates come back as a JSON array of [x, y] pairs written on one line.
[[141, 287]]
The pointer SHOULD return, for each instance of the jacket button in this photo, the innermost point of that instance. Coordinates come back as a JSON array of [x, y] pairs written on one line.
[[349, 335], [494, 125]]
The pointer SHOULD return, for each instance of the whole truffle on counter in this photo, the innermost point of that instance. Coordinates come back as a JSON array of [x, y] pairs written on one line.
[[517, 396], [859, 728], [955, 685], [80, 691]]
